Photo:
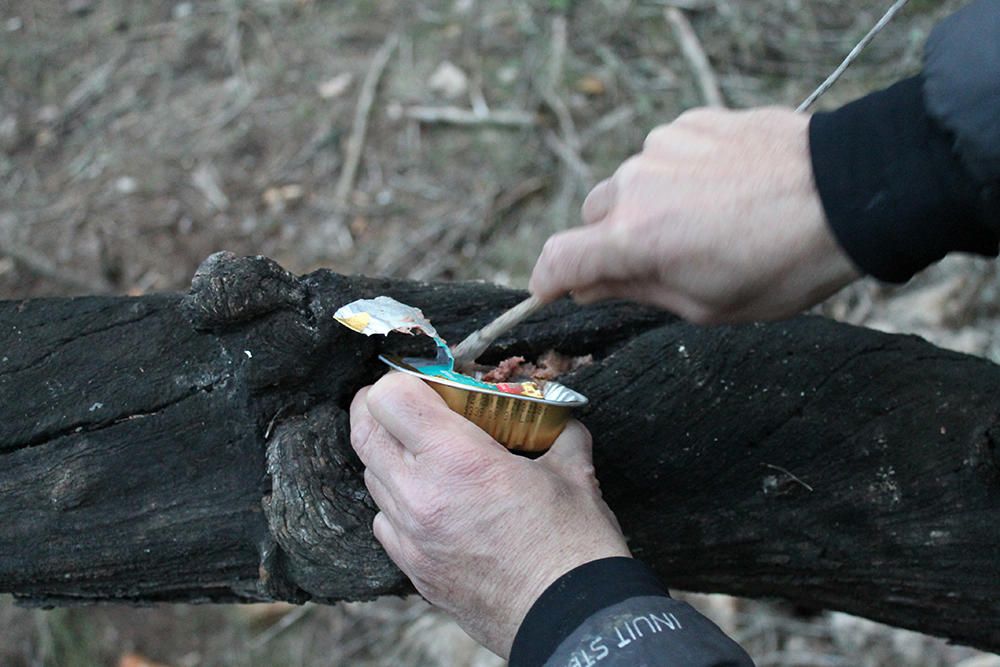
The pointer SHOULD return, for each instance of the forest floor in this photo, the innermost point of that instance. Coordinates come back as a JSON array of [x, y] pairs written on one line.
[[137, 137]]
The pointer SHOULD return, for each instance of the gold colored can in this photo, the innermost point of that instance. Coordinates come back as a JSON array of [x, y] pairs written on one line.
[[522, 423]]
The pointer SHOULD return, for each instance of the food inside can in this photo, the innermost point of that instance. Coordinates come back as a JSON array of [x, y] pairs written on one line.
[[516, 402]]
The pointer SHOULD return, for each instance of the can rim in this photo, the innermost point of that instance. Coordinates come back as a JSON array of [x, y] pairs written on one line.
[[398, 364]]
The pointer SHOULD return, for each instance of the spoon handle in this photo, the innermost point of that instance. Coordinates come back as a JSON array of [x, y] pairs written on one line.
[[476, 343]]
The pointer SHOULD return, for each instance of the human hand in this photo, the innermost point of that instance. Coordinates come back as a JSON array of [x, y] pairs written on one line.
[[717, 220], [479, 531]]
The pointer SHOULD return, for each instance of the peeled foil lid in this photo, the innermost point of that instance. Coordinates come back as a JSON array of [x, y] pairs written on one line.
[[382, 315]]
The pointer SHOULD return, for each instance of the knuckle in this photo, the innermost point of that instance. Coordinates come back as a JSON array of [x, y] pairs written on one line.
[[657, 137], [702, 315], [396, 388], [583, 477], [552, 263], [552, 249], [628, 171], [396, 394], [620, 238], [586, 473], [695, 117], [430, 514], [386, 390]]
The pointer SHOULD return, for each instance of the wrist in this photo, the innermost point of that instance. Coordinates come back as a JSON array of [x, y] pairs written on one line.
[[824, 257], [896, 196], [543, 580], [575, 596]]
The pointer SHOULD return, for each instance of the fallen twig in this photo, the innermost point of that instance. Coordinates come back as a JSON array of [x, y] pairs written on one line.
[[567, 148], [286, 621], [248, 93], [569, 156], [695, 56], [91, 88], [549, 89], [606, 123], [853, 55], [460, 116], [206, 180], [359, 129], [792, 475]]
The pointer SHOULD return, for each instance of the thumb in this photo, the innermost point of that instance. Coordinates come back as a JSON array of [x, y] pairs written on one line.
[[571, 455]]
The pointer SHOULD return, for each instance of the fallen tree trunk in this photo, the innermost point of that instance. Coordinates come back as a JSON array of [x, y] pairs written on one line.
[[195, 448]]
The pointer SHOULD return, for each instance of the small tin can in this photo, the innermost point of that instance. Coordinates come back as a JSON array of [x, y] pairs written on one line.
[[518, 422]]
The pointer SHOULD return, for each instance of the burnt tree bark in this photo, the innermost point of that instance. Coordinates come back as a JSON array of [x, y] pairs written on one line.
[[195, 448]]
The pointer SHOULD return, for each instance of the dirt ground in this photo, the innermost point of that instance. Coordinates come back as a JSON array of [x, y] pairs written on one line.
[[137, 137]]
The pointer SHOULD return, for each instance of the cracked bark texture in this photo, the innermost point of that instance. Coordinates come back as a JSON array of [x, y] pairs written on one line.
[[195, 448]]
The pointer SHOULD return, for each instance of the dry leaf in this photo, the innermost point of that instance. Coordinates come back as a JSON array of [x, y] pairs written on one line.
[[590, 85]]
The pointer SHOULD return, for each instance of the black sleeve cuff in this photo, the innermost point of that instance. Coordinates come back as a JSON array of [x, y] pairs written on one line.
[[895, 194], [575, 597]]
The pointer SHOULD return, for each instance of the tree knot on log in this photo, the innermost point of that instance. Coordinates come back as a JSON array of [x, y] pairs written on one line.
[[263, 316], [320, 514], [227, 289]]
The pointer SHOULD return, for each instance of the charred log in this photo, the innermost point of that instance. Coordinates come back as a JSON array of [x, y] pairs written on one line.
[[194, 448]]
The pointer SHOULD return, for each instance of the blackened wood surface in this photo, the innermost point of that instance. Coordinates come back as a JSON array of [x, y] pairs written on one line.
[[195, 448]]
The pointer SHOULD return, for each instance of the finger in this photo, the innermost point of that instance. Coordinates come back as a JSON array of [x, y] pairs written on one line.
[[384, 454], [633, 290], [598, 203], [578, 258], [419, 419], [382, 495], [572, 452], [599, 292], [375, 446], [652, 294], [360, 419], [387, 536]]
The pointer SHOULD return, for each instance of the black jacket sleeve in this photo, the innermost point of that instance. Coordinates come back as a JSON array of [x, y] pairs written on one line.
[[614, 613], [911, 173]]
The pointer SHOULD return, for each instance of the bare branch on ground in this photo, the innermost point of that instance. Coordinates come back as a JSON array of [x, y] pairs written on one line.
[[853, 55], [693, 52], [362, 113], [459, 116], [91, 88], [606, 123], [286, 621], [568, 142], [569, 156]]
